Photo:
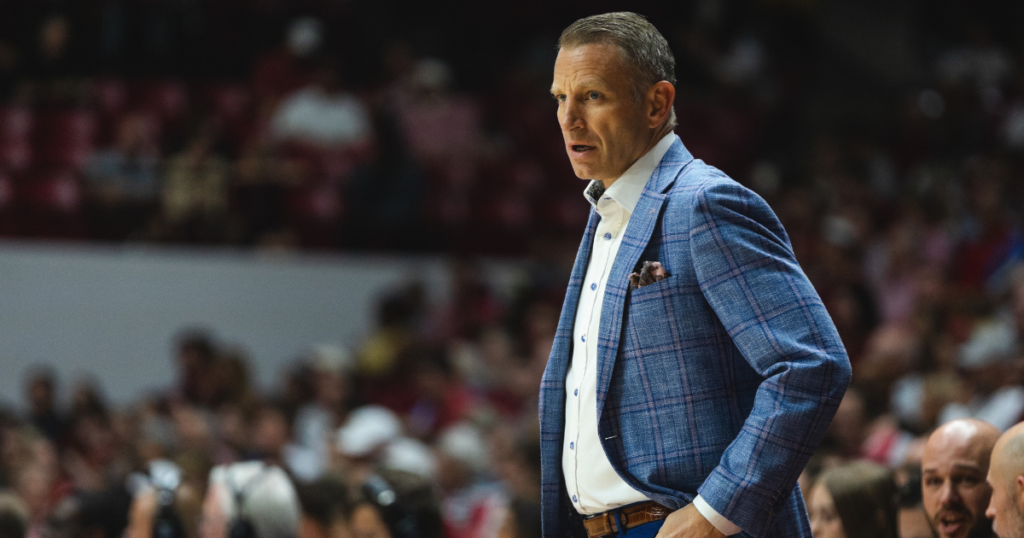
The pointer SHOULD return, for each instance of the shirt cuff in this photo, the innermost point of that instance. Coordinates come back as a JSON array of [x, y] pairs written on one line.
[[723, 525]]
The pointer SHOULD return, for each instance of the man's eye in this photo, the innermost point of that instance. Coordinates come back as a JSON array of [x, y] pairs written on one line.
[[593, 95]]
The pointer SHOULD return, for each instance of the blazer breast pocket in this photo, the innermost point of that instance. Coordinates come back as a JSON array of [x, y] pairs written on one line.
[[650, 313]]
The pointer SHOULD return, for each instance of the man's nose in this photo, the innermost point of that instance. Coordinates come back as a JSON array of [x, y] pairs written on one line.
[[571, 116], [949, 494], [990, 512]]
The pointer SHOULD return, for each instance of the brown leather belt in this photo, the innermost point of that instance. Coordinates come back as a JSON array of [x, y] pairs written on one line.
[[633, 515]]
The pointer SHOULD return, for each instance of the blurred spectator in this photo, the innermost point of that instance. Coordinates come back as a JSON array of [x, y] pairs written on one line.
[[291, 66], [853, 500], [194, 193], [394, 504], [953, 470], [362, 439], [324, 115], [441, 397], [272, 443], [122, 180], [520, 471], [442, 128], [989, 363], [195, 356], [40, 392], [471, 506], [254, 493], [316, 422], [325, 509]]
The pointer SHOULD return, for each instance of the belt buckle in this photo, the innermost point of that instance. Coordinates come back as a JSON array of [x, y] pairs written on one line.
[[610, 522]]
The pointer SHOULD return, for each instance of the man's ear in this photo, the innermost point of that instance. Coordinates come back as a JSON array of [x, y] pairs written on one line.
[[1019, 493], [660, 99]]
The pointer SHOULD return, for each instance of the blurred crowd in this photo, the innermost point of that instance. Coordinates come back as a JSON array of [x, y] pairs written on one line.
[[437, 404], [391, 126], [899, 187]]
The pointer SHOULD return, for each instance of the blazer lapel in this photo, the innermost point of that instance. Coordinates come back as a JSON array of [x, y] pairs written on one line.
[[638, 233]]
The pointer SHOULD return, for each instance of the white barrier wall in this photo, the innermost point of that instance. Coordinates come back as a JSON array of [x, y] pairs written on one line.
[[112, 312]]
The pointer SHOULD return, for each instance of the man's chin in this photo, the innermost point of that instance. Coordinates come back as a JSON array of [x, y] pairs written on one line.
[[982, 529]]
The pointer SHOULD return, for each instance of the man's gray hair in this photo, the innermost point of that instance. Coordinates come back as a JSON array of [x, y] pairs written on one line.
[[645, 50], [268, 497]]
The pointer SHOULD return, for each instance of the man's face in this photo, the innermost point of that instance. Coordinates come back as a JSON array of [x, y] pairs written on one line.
[[954, 490], [604, 127], [1007, 517]]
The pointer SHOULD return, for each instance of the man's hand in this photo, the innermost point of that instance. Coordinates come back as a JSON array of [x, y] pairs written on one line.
[[687, 522]]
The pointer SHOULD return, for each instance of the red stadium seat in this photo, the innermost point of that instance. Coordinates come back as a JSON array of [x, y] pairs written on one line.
[[68, 126], [166, 98], [228, 103], [16, 155], [111, 96], [66, 138], [8, 218], [58, 191], [6, 191], [16, 123]]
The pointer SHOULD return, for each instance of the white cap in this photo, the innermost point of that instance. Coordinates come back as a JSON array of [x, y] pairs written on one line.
[[410, 455], [464, 443], [331, 358], [990, 343], [366, 429]]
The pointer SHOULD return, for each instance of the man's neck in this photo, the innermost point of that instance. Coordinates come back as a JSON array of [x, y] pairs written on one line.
[[655, 136]]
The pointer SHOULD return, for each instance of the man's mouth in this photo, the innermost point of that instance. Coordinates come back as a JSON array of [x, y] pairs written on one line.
[[581, 149], [952, 523]]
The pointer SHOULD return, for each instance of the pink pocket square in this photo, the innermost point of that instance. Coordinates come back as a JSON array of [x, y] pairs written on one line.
[[650, 273]]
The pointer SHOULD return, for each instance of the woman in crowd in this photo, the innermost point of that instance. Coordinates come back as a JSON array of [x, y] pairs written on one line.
[[852, 501]]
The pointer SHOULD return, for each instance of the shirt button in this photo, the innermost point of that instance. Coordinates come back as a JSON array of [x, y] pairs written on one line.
[[576, 392], [593, 285], [572, 446], [574, 499], [583, 337], [607, 236]]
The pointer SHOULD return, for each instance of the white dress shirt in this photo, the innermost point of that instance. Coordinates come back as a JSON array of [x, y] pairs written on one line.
[[592, 483]]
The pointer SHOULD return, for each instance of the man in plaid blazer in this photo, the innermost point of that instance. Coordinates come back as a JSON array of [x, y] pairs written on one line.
[[687, 403]]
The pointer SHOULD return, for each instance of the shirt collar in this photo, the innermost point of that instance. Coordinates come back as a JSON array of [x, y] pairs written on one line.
[[627, 189]]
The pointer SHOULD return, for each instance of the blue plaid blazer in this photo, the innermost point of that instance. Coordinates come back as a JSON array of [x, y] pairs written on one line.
[[719, 380]]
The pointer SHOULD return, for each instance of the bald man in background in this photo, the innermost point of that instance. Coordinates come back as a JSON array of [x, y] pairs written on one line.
[[1006, 478], [953, 470]]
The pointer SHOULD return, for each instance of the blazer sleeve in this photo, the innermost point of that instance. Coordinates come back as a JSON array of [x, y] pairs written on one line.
[[747, 271]]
